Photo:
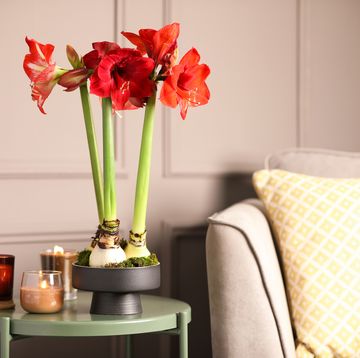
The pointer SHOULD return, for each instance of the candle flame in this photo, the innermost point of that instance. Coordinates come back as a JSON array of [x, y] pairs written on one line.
[[43, 284], [58, 249]]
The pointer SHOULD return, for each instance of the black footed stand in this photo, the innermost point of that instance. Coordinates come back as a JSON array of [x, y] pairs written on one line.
[[116, 290], [115, 303]]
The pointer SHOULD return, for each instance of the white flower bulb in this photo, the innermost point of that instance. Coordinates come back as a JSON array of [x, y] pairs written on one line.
[[101, 257]]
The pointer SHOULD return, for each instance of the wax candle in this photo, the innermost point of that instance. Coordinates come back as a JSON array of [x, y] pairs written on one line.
[[41, 292], [6, 280], [59, 259]]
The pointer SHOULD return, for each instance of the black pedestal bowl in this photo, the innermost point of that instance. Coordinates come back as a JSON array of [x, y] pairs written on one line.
[[116, 290]]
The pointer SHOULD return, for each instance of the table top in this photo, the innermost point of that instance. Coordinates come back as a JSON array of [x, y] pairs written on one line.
[[159, 314]]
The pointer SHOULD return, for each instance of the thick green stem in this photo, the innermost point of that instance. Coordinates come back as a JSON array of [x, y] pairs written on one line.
[[109, 161], [94, 157], [143, 175]]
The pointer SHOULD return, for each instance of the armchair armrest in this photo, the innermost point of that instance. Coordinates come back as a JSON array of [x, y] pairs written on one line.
[[248, 306]]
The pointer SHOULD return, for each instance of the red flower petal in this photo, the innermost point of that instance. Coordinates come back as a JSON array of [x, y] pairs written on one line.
[[147, 35], [195, 97], [120, 92], [99, 87], [38, 59], [139, 68], [40, 51], [184, 105], [159, 45], [92, 58], [104, 69], [168, 95], [141, 90], [165, 41], [136, 40], [194, 76], [47, 74], [191, 58], [40, 92], [105, 47]]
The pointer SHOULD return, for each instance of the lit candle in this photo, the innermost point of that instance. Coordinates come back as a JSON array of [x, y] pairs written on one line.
[[59, 259], [41, 292], [6, 281]]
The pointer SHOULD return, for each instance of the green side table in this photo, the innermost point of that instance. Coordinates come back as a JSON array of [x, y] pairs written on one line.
[[160, 314]]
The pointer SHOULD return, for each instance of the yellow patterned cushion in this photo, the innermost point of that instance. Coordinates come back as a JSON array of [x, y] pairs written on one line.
[[317, 224]]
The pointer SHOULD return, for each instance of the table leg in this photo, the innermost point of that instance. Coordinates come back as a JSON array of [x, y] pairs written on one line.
[[128, 346], [183, 338], [5, 337]]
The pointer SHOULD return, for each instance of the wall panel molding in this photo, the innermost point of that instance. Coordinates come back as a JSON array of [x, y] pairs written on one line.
[[26, 142], [329, 74], [48, 237], [304, 69], [212, 152], [68, 169], [8, 174], [18, 238]]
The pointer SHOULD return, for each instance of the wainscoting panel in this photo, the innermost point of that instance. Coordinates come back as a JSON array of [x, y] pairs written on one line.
[[330, 74], [30, 142], [251, 48]]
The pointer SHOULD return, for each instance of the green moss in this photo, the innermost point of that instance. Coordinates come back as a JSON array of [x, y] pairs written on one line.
[[136, 262], [83, 260]]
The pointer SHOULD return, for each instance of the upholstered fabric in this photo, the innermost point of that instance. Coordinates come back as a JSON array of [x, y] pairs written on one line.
[[316, 162], [247, 331], [317, 223], [248, 307]]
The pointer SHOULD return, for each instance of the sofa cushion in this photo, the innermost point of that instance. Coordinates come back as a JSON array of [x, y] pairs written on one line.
[[317, 224], [317, 162]]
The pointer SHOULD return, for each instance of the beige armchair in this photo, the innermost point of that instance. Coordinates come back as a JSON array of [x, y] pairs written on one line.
[[248, 306]]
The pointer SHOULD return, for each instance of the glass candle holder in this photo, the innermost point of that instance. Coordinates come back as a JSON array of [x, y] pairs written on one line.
[[41, 291], [61, 260], [6, 280]]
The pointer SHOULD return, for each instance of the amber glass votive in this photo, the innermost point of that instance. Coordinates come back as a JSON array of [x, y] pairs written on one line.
[[6, 280], [41, 291], [59, 259]]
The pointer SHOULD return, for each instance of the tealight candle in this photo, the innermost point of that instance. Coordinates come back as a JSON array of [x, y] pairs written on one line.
[[59, 259], [41, 291]]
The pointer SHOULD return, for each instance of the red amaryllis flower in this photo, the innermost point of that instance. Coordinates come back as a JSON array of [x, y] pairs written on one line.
[[159, 45], [186, 85], [41, 70], [93, 58], [123, 75]]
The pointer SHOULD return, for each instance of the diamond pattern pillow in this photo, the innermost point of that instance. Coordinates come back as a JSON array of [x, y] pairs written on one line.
[[317, 224]]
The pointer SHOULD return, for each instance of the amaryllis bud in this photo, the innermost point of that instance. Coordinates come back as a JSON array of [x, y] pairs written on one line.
[[73, 57], [74, 78]]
